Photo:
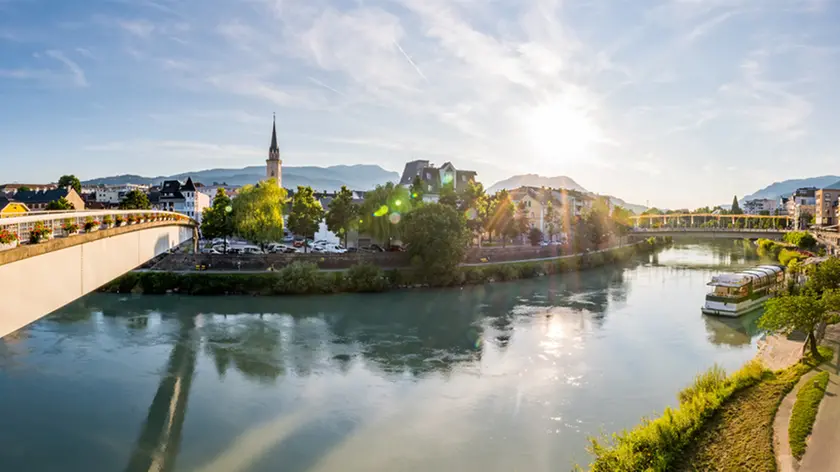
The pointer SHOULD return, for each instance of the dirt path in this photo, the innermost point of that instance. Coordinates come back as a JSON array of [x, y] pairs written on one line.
[[781, 440], [780, 352], [822, 454]]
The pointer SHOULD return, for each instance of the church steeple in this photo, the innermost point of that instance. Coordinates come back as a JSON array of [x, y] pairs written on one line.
[[273, 165]]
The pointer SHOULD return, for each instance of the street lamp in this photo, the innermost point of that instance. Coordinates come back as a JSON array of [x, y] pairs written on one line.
[[228, 210]]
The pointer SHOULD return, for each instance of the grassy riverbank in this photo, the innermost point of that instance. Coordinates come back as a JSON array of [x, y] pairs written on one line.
[[722, 424], [302, 278], [805, 412]]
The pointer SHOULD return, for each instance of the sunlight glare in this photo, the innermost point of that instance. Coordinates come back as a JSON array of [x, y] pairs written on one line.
[[560, 131]]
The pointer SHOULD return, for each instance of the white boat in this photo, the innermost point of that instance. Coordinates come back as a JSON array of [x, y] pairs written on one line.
[[742, 292]]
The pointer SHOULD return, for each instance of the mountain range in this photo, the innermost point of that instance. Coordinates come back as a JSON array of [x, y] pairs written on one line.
[[534, 180], [356, 177], [787, 187]]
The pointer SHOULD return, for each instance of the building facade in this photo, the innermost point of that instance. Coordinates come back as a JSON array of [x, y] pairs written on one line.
[[114, 194], [13, 188], [433, 179], [759, 205], [38, 200], [826, 205], [273, 165], [11, 208], [181, 198]]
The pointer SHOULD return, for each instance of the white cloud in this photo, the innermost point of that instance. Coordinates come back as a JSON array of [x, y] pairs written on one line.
[[78, 74]]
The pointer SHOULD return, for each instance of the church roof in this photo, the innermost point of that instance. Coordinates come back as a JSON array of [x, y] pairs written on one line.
[[274, 147]]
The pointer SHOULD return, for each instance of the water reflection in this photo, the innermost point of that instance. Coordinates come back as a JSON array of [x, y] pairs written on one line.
[[732, 331]]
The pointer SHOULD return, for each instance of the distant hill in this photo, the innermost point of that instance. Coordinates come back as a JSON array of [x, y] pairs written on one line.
[[787, 187], [356, 177], [534, 180]]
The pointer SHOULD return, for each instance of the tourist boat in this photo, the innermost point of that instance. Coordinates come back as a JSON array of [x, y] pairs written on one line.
[[742, 292]]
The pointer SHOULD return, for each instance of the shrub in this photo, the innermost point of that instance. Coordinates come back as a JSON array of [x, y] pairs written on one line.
[[708, 381], [39, 232], [365, 278], [298, 278], [805, 412], [786, 256], [801, 239], [656, 444]]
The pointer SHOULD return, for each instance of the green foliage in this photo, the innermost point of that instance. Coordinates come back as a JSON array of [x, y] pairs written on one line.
[[382, 212], [24, 188], [786, 256], [365, 278], [306, 213], [801, 239], [298, 278], [805, 412], [535, 236], [657, 444], [824, 276], [448, 196], [135, 200], [474, 205], [436, 238], [257, 212], [217, 219], [803, 313], [708, 381], [735, 209], [60, 204], [70, 181], [522, 221], [417, 190], [552, 221], [342, 214]]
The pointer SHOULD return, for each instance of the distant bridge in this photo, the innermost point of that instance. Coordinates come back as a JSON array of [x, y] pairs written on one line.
[[38, 278], [710, 225], [713, 233]]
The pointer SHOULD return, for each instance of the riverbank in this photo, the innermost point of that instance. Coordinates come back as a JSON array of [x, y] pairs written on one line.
[[306, 278]]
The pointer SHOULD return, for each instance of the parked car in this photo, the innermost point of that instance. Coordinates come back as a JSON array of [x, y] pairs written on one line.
[[396, 249], [252, 250]]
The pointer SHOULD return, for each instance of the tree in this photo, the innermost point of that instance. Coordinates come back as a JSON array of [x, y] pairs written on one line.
[[736, 209], [258, 212], [522, 222], [342, 214], [448, 196], [824, 276], [217, 219], [474, 205], [417, 190], [382, 211], [437, 237], [24, 188], [500, 215], [70, 181], [60, 204], [306, 213], [799, 313], [535, 236], [135, 200]]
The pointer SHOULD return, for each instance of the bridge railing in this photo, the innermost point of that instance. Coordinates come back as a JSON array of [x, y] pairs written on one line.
[[40, 226], [678, 229]]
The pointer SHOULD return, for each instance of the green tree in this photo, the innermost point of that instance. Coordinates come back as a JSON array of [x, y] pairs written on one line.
[[306, 213], [500, 216], [217, 219], [70, 181], [824, 276], [802, 313], [474, 205], [417, 190], [382, 212], [535, 236], [522, 221], [735, 209], [60, 204], [437, 237], [258, 212], [551, 219], [24, 188], [342, 214], [135, 200], [448, 196]]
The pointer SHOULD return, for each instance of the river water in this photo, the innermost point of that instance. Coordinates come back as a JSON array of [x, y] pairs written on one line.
[[509, 376]]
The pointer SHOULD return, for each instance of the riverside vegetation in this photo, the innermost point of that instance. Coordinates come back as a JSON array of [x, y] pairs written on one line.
[[804, 412], [305, 278]]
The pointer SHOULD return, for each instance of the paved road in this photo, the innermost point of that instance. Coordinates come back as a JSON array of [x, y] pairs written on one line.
[[822, 454]]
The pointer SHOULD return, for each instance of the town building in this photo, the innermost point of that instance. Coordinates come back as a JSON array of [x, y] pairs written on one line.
[[11, 208], [180, 197], [435, 178], [567, 204], [114, 194], [273, 165], [13, 188], [801, 205], [826, 205], [759, 205], [38, 200]]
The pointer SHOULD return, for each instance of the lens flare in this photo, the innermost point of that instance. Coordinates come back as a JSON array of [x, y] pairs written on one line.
[[394, 218], [471, 214], [382, 211]]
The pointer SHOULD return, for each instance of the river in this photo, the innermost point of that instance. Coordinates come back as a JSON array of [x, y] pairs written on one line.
[[508, 376]]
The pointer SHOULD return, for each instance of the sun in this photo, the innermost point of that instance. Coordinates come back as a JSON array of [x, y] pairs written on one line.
[[560, 131]]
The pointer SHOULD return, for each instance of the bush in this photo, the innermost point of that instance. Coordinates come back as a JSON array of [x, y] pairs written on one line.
[[708, 381], [786, 256], [805, 412], [801, 239], [656, 444], [298, 278], [365, 278]]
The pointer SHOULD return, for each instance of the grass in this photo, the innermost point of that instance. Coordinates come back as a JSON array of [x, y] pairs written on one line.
[[739, 436], [805, 412]]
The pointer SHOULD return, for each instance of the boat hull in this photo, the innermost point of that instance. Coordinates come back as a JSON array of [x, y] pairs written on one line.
[[733, 309]]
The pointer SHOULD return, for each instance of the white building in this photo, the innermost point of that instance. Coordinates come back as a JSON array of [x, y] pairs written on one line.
[[114, 194], [758, 205], [183, 198]]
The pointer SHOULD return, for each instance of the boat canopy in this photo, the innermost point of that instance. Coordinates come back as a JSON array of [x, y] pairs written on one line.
[[739, 279]]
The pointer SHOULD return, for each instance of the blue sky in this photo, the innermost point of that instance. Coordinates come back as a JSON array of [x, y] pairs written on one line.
[[672, 102]]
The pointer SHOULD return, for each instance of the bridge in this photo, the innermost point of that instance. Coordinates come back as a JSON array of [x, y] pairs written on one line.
[[48, 259], [711, 225]]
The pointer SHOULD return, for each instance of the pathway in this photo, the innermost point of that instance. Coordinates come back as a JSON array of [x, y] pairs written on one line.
[[781, 440], [821, 454]]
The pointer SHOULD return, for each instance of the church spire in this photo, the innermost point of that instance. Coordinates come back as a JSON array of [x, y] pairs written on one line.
[[274, 147]]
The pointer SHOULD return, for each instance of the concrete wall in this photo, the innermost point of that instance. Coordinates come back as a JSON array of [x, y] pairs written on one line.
[[176, 262], [38, 279]]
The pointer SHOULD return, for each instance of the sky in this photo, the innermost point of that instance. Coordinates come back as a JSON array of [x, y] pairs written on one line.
[[669, 103]]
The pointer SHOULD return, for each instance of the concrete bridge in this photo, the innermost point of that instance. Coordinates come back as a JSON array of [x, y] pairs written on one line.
[[70, 261], [711, 233]]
